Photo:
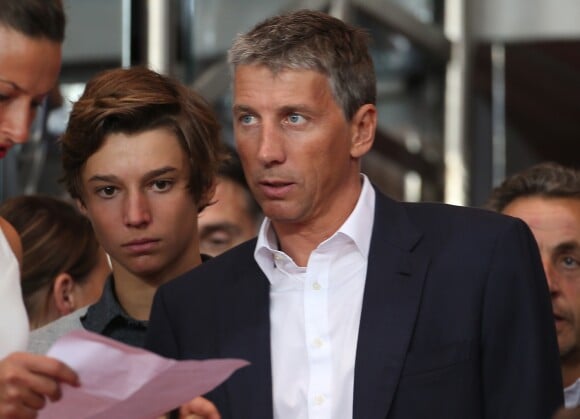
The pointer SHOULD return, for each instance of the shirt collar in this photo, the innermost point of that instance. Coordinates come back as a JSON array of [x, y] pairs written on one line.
[[359, 224], [104, 311], [358, 227]]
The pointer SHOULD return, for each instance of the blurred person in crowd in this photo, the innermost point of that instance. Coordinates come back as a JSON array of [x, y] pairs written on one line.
[[349, 304], [31, 36], [233, 216], [63, 267], [547, 198]]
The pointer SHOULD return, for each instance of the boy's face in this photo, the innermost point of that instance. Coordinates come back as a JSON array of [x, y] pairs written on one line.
[[136, 196]]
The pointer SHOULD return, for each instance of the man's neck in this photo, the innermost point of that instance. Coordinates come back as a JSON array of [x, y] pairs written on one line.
[[298, 242], [299, 239]]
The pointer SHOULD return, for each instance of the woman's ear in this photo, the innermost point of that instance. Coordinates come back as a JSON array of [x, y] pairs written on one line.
[[64, 294], [363, 127]]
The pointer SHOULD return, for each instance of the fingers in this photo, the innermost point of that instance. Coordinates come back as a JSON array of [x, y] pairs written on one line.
[[15, 411], [49, 367], [199, 407], [26, 380]]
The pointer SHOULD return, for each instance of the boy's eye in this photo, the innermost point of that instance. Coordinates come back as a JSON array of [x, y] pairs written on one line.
[[106, 191], [162, 185]]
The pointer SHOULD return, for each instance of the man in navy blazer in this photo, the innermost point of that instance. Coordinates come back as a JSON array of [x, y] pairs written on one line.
[[349, 304]]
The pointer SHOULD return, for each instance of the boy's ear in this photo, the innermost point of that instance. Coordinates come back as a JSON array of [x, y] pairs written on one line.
[[81, 206], [363, 127]]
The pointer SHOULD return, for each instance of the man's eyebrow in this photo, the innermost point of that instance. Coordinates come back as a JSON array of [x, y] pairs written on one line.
[[284, 109], [294, 108], [241, 108], [567, 246], [219, 226]]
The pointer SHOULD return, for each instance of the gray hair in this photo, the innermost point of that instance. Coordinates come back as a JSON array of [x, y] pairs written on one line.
[[312, 40]]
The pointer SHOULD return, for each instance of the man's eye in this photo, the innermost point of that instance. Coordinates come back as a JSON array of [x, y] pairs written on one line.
[[295, 118], [217, 242], [569, 262], [246, 119]]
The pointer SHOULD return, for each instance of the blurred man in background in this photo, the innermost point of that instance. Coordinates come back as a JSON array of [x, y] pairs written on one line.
[[233, 216], [547, 198]]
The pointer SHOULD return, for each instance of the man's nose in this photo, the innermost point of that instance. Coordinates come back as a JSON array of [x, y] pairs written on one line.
[[271, 149], [552, 278]]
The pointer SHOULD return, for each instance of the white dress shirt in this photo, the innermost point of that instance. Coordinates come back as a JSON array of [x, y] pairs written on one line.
[[572, 395], [13, 319], [315, 314]]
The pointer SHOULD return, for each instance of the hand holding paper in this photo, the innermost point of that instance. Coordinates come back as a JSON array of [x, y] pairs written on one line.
[[120, 381]]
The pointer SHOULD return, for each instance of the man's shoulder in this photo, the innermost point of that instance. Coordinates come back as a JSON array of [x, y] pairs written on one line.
[[435, 222], [438, 215], [44, 337]]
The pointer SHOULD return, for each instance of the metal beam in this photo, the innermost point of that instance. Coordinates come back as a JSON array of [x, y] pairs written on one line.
[[457, 103], [214, 81], [425, 35], [158, 35]]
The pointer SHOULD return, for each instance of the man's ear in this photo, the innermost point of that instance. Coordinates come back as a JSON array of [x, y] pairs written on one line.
[[363, 127], [63, 294]]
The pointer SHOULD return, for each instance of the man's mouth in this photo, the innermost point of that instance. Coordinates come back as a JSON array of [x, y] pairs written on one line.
[[558, 319], [275, 189]]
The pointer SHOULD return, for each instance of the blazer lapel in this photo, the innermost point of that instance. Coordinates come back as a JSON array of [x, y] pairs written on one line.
[[394, 282], [246, 322]]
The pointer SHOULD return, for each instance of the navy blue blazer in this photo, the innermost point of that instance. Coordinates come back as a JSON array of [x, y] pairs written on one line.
[[456, 321]]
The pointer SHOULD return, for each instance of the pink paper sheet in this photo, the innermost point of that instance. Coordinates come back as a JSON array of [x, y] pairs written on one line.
[[120, 381]]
